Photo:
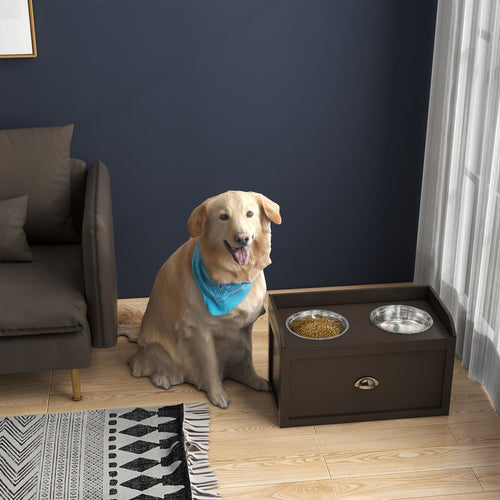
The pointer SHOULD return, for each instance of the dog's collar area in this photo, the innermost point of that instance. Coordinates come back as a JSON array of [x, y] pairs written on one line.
[[220, 298]]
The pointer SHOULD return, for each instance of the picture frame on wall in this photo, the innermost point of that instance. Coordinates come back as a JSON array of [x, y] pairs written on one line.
[[17, 29]]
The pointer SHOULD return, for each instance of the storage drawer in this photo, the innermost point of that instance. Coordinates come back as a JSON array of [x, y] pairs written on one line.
[[398, 381]]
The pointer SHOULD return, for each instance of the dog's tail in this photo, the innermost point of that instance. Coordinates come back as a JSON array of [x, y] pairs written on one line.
[[129, 321]]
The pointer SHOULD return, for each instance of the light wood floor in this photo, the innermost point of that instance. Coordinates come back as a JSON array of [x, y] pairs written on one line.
[[450, 457]]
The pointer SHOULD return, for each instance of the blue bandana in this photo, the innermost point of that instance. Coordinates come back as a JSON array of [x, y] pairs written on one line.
[[219, 298]]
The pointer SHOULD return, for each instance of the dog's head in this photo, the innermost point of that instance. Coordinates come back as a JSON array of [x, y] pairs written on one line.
[[234, 232]]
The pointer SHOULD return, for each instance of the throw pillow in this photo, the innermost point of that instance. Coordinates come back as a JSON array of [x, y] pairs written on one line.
[[35, 161], [13, 244]]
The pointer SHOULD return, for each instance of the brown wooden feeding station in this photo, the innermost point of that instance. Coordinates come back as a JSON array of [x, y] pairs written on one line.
[[366, 373]]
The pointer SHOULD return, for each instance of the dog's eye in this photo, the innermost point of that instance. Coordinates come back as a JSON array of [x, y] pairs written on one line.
[[249, 213], [224, 217]]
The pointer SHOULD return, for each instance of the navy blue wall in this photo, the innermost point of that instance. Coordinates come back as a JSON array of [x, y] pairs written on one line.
[[320, 105]]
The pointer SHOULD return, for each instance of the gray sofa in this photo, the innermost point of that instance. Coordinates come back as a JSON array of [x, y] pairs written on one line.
[[58, 293]]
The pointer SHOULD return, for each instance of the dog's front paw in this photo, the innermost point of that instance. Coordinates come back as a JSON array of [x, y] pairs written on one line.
[[219, 398]]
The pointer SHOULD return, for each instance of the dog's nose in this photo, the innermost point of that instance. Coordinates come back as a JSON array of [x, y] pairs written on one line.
[[241, 239]]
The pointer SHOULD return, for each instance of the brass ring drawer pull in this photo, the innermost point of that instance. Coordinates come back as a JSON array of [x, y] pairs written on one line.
[[366, 383]]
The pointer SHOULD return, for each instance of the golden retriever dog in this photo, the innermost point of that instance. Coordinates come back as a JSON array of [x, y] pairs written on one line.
[[197, 326]]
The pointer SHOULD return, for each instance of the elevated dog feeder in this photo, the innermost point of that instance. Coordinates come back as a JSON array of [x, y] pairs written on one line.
[[395, 359]]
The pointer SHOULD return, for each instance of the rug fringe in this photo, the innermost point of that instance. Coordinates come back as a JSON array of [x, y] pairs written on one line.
[[196, 432]]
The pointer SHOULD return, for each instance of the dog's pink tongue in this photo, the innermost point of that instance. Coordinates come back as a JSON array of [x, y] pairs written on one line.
[[242, 255]]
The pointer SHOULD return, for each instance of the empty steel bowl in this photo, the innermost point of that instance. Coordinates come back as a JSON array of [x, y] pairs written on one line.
[[314, 314], [402, 319]]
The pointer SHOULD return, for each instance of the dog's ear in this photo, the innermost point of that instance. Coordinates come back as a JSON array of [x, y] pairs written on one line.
[[197, 220], [270, 209]]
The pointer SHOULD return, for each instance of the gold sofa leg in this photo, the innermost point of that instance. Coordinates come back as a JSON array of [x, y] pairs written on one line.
[[75, 382]]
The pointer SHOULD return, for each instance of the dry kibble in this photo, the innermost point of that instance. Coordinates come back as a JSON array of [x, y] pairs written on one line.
[[317, 327]]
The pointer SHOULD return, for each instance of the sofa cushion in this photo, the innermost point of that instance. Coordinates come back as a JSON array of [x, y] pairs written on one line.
[[35, 161], [13, 244], [44, 296]]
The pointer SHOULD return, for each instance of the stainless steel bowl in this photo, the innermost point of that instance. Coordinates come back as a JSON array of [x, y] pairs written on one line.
[[402, 319], [317, 313]]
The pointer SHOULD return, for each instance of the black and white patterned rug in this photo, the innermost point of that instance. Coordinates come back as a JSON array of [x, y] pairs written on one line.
[[121, 454]]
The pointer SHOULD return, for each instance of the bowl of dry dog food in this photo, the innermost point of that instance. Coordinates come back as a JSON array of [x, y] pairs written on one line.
[[317, 324]]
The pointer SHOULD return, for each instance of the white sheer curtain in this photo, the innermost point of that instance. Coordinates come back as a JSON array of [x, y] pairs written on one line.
[[458, 248]]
